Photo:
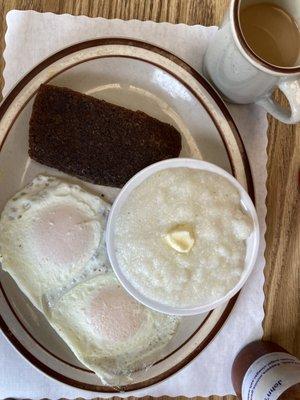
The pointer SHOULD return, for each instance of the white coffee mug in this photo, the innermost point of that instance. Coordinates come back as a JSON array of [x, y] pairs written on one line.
[[241, 76]]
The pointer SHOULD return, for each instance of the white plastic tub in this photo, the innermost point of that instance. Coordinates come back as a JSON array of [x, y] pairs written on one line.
[[252, 242]]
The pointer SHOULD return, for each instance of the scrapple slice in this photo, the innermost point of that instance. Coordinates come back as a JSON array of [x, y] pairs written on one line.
[[94, 140]]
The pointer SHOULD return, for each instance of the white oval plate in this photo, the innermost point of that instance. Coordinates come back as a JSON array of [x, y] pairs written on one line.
[[136, 75]]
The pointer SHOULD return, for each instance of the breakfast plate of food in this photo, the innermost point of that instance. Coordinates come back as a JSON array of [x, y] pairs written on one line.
[[74, 132]]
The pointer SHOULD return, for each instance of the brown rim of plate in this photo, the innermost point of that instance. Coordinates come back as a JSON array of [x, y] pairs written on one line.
[[134, 43], [250, 52]]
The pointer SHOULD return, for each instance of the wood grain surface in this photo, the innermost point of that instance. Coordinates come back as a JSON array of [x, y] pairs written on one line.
[[282, 304]]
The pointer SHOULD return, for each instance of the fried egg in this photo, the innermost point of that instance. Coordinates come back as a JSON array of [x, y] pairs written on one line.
[[110, 332], [52, 237]]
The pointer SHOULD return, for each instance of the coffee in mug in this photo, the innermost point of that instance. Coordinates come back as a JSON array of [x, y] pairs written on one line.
[[271, 33], [255, 51]]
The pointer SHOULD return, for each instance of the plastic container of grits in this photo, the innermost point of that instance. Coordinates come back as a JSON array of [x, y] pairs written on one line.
[[252, 242]]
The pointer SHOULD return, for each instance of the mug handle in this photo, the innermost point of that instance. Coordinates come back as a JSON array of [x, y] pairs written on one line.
[[291, 89]]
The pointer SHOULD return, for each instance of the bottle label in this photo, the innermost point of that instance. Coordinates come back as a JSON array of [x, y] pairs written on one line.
[[270, 375]]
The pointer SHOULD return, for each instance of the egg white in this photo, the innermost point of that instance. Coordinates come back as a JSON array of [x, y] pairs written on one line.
[[52, 237], [52, 244], [111, 355]]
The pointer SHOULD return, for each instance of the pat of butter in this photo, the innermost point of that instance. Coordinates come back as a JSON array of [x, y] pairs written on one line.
[[180, 238]]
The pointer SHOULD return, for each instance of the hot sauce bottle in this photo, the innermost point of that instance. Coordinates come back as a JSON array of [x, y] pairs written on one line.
[[265, 371]]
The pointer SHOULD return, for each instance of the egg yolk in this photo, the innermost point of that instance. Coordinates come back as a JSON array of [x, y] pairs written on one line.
[[64, 235], [115, 315]]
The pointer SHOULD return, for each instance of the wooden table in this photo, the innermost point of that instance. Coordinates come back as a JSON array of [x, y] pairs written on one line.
[[282, 305]]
